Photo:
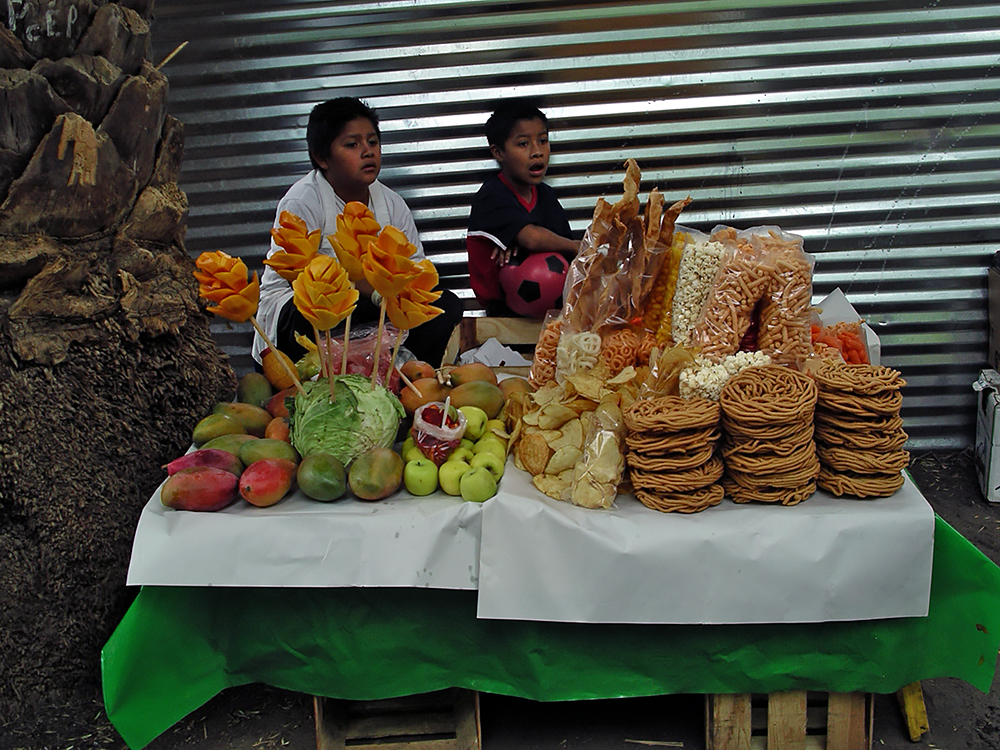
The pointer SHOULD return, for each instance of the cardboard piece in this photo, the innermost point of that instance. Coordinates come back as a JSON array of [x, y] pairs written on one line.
[[835, 308], [988, 434]]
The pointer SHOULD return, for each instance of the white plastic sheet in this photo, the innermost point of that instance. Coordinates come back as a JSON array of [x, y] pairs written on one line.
[[825, 559], [430, 542]]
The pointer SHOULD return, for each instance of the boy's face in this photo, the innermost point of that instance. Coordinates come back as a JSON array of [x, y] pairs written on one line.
[[524, 158], [354, 161]]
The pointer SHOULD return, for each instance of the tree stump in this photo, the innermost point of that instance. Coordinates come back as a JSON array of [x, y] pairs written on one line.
[[106, 360]]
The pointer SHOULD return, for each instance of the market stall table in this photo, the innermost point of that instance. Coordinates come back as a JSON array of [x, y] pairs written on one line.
[[179, 645]]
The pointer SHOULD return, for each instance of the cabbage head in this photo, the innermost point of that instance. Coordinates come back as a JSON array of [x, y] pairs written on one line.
[[357, 420]]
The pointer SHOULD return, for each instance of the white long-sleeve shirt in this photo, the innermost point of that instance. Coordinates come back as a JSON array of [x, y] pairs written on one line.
[[313, 200]]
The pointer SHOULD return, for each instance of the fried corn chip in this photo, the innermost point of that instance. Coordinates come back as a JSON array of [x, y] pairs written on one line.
[[563, 459], [557, 487], [534, 453], [570, 434], [554, 416]]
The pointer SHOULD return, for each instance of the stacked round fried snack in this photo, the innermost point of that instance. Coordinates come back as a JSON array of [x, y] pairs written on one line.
[[767, 444], [859, 434], [671, 457]]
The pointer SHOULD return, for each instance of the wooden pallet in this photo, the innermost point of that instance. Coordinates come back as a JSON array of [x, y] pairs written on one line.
[[793, 720], [443, 720]]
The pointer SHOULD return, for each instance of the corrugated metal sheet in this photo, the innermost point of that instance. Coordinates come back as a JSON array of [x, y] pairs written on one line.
[[872, 129]]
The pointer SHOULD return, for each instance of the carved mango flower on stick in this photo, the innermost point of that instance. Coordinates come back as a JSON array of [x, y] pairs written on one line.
[[325, 296], [298, 246], [412, 306], [356, 227], [222, 279]]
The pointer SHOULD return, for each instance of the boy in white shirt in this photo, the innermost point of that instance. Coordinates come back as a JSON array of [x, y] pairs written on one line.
[[345, 150]]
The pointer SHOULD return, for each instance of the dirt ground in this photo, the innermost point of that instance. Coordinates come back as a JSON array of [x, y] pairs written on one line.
[[263, 718]]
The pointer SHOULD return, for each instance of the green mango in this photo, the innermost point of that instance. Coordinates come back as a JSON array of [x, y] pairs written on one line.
[[322, 477], [253, 418], [255, 450], [254, 389], [229, 443], [215, 425]]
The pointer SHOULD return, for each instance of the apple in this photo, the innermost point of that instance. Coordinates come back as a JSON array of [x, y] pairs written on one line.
[[450, 476], [495, 424], [475, 421], [477, 485], [413, 453], [465, 443], [420, 476], [461, 454], [407, 444], [492, 444], [490, 461]]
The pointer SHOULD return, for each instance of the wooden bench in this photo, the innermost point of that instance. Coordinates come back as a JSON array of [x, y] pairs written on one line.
[[513, 332]]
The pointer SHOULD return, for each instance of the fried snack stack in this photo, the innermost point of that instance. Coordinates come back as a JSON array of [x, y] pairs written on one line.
[[768, 447], [672, 460], [859, 433]]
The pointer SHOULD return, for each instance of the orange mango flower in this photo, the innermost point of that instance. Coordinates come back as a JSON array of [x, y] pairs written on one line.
[[412, 306], [298, 246], [223, 279], [356, 227], [323, 293], [387, 263]]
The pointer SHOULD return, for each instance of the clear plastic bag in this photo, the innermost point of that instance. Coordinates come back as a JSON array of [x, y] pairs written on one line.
[[600, 470], [361, 353], [786, 310], [436, 436]]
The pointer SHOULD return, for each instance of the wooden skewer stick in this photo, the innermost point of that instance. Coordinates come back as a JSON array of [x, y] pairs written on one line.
[[281, 360], [329, 364], [409, 383], [319, 351], [378, 342], [347, 338], [395, 353], [172, 55]]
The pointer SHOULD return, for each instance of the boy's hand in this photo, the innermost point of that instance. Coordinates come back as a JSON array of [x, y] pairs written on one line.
[[502, 256]]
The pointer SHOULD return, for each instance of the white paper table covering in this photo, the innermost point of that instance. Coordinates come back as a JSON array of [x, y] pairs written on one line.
[[825, 559], [428, 542]]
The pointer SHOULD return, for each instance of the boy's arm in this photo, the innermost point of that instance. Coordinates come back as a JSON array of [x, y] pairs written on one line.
[[536, 239]]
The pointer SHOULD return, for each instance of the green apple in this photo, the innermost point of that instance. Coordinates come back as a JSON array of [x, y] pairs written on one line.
[[475, 421], [413, 453], [495, 424], [460, 454], [493, 444], [465, 443], [407, 444], [491, 461], [450, 476], [477, 485], [420, 476]]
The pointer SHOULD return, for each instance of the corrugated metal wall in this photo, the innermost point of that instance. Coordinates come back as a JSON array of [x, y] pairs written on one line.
[[870, 128]]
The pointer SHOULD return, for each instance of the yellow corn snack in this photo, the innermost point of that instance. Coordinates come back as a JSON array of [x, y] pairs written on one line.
[[658, 312]]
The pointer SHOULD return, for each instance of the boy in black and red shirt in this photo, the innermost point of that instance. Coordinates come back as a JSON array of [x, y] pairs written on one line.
[[515, 215]]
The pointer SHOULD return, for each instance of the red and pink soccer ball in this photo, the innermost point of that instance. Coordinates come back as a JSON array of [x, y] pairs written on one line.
[[535, 285]]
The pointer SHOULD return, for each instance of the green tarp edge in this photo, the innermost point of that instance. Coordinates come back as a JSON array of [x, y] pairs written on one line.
[[176, 648]]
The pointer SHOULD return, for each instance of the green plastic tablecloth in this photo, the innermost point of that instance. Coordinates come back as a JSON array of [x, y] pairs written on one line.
[[176, 648]]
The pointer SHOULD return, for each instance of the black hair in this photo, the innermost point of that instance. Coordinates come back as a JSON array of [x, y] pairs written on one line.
[[327, 121], [507, 114]]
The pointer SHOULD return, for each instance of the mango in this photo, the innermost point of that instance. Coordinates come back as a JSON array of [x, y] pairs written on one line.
[[215, 425], [276, 405], [253, 418], [430, 390], [203, 488], [278, 429], [376, 474], [213, 457], [255, 450], [276, 373], [417, 369], [229, 443], [472, 371], [254, 388], [514, 384], [265, 482], [487, 396], [322, 477]]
